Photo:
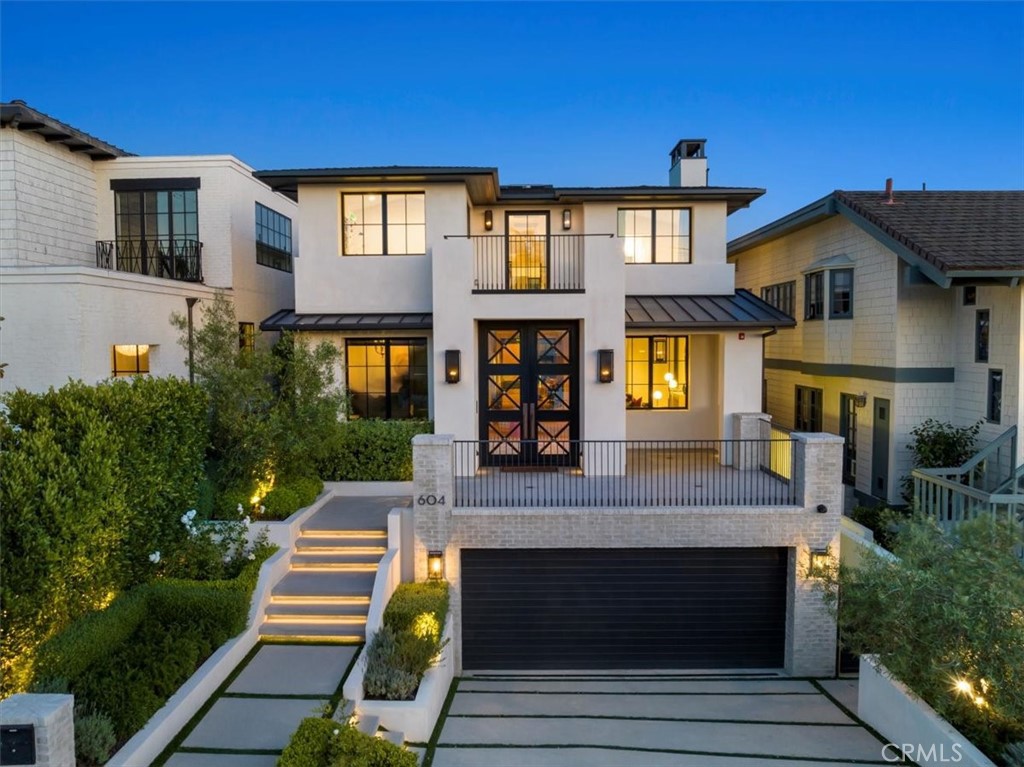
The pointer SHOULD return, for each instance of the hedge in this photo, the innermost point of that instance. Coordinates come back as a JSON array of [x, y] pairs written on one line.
[[127, 660], [326, 743], [371, 450], [92, 480]]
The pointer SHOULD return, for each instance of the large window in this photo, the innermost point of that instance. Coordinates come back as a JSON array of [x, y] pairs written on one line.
[[657, 372], [994, 402], [780, 296], [247, 336], [163, 216], [130, 360], [273, 239], [814, 296], [982, 320], [387, 378], [384, 224], [655, 235], [808, 409], [840, 293]]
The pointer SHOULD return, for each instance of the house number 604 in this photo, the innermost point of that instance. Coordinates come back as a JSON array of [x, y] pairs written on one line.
[[430, 500]]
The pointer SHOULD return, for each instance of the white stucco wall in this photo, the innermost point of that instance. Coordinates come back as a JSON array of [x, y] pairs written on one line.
[[47, 202]]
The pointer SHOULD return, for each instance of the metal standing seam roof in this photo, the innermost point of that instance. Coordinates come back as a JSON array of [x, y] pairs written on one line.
[[17, 114], [741, 310], [288, 319]]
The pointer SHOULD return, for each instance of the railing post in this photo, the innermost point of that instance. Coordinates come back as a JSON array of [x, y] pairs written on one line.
[[432, 499], [746, 434]]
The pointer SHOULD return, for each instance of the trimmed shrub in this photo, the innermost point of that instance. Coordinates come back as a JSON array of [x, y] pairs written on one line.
[[411, 600], [227, 502], [280, 503], [307, 488], [371, 451], [385, 677], [94, 738], [310, 745]]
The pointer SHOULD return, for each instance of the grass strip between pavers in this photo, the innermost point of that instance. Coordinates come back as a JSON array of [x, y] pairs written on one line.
[[838, 704], [339, 692], [185, 731], [230, 751], [632, 678], [647, 750], [615, 717], [272, 696], [628, 692], [428, 755], [306, 641]]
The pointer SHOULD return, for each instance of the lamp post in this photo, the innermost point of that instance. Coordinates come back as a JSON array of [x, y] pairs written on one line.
[[190, 301]]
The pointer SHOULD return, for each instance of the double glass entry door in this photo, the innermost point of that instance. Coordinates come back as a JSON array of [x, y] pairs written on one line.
[[528, 393]]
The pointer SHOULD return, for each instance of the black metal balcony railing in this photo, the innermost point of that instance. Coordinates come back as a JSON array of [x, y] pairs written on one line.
[[528, 263], [633, 473], [169, 259]]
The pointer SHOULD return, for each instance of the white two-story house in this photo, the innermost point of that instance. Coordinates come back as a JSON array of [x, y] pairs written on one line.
[[600, 491], [100, 247]]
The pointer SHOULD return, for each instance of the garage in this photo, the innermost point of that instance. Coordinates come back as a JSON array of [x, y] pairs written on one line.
[[692, 608]]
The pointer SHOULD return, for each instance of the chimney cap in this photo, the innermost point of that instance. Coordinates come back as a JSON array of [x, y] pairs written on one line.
[[688, 149]]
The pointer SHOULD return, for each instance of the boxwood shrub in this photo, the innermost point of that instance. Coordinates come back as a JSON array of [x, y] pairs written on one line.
[[371, 450], [326, 743]]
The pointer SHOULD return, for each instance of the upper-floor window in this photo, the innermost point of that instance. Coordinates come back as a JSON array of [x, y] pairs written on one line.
[[994, 401], [158, 216], [970, 295], [384, 224], [814, 296], [130, 360], [780, 296], [840, 293], [655, 235], [273, 239], [981, 328], [657, 372], [808, 409]]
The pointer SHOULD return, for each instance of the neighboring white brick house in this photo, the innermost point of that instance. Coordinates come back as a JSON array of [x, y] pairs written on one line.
[[926, 268], [65, 308]]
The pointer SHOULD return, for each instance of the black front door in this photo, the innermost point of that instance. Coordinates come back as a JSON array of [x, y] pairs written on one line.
[[528, 393]]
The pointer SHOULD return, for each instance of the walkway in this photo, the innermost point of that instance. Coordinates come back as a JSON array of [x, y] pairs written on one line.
[[675, 720]]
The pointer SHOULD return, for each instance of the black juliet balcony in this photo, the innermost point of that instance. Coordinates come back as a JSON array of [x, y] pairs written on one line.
[[167, 258]]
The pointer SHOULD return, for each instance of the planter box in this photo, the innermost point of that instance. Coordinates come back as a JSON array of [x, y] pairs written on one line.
[[415, 718], [909, 723]]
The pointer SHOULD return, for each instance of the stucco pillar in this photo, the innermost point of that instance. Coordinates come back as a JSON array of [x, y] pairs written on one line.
[[53, 719], [810, 628], [433, 487], [750, 452]]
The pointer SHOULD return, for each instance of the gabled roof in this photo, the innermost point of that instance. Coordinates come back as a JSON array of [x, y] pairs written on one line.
[[740, 310], [17, 114], [962, 235], [483, 187]]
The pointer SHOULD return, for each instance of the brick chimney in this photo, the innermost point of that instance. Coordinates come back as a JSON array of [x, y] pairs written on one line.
[[689, 164]]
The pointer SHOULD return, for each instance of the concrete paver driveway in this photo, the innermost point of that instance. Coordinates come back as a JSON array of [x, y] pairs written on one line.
[[652, 721]]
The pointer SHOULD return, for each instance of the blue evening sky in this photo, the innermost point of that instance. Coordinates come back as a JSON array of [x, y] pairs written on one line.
[[799, 98]]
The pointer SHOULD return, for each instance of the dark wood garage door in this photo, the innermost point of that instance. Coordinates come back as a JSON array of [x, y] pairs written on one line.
[[623, 608]]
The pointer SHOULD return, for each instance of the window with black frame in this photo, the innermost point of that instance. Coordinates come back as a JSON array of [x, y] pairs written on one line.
[[780, 296], [157, 232], [655, 235], [994, 401], [384, 224], [273, 239], [657, 373], [840, 293], [814, 296], [808, 409], [387, 377]]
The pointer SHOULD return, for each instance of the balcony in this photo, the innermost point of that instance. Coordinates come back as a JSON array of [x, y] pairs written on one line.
[[528, 263], [169, 259]]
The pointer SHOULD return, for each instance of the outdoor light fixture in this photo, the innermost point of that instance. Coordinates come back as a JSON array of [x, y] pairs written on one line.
[[860, 400], [567, 219], [819, 563], [660, 349], [605, 364], [488, 220], [452, 366], [435, 565]]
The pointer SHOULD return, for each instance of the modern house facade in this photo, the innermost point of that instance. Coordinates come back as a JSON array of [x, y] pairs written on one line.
[[100, 247], [602, 490], [909, 307]]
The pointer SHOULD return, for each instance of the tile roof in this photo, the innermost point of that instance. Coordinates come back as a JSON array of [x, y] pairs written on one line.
[[954, 231]]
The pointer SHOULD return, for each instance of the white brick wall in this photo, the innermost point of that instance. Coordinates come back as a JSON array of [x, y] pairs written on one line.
[[52, 716], [47, 203]]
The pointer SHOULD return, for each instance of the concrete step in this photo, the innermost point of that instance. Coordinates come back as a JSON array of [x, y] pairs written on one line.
[[398, 738], [321, 601], [319, 631], [379, 534], [301, 547], [332, 566], [321, 609], [310, 541], [341, 556], [298, 583], [313, 618], [368, 724]]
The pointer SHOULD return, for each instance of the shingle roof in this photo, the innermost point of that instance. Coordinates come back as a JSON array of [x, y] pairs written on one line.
[[955, 231]]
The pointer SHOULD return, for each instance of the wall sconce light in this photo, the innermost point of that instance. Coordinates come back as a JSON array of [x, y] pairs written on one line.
[[452, 366], [605, 365], [435, 565], [567, 219], [819, 563], [860, 400], [488, 220], [660, 349]]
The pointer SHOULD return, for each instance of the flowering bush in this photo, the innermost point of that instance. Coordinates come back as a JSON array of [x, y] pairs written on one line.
[[210, 550]]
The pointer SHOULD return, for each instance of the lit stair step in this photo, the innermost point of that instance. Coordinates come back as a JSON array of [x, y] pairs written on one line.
[[326, 541], [367, 551], [325, 584], [317, 631], [316, 608], [368, 724], [327, 567], [320, 601], [318, 619], [380, 535], [398, 738]]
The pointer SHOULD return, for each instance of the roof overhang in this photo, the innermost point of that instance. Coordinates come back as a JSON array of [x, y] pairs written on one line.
[[481, 183], [21, 116], [798, 219], [742, 310], [288, 319]]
